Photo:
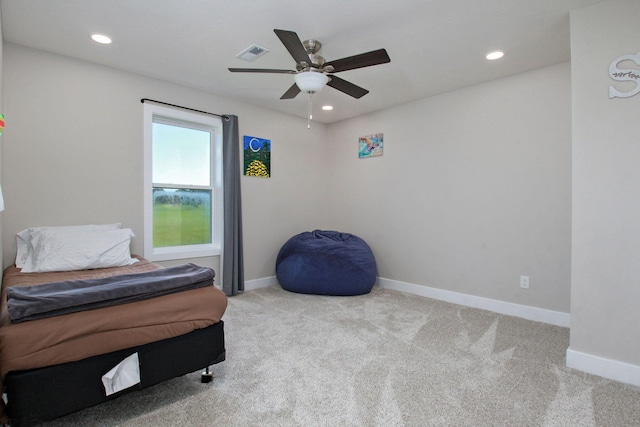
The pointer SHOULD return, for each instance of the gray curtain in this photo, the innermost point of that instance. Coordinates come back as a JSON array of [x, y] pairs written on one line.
[[232, 259]]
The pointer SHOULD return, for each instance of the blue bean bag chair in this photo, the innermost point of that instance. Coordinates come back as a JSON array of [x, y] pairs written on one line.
[[326, 263]]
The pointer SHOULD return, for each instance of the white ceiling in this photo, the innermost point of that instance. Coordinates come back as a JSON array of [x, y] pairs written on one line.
[[435, 45]]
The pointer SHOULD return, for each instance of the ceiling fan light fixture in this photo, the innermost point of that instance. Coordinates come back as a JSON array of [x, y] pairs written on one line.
[[311, 81]]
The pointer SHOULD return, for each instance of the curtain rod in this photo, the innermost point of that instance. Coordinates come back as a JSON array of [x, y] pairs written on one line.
[[185, 108]]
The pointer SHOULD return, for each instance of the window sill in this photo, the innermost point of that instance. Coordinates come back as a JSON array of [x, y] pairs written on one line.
[[168, 254]]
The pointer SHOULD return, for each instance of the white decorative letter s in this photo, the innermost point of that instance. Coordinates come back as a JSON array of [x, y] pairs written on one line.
[[624, 76]]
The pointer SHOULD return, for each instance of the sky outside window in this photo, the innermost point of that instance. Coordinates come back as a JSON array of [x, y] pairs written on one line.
[[181, 155]]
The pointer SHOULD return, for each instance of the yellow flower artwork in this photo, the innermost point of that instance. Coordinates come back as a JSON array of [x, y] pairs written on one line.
[[257, 157]]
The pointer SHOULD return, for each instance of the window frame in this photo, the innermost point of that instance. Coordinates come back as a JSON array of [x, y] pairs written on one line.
[[168, 115]]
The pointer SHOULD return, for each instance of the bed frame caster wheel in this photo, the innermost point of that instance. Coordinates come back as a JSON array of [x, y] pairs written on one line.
[[206, 377]]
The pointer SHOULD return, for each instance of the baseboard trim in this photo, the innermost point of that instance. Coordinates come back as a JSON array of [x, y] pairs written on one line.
[[265, 282], [603, 367], [536, 314]]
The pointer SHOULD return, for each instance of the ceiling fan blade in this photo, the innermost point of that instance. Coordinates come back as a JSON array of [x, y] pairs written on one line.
[[368, 59], [347, 87], [260, 70], [294, 45], [291, 92]]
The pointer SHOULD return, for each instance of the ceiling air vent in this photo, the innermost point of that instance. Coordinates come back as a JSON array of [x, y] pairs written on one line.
[[252, 53]]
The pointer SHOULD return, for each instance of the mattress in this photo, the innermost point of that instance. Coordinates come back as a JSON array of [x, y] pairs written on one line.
[[76, 336]]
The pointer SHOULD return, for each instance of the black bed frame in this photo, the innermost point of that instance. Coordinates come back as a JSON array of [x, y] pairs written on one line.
[[42, 394]]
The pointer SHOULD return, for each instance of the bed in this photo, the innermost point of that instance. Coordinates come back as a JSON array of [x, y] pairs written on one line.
[[53, 365]]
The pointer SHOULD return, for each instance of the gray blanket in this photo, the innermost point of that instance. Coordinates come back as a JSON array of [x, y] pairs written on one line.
[[54, 299]]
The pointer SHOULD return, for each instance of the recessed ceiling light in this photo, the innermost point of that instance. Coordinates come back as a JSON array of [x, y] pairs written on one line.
[[492, 56], [101, 38], [327, 107]]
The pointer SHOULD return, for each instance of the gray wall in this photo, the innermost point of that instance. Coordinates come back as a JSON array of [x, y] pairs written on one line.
[[605, 289], [73, 154], [473, 189]]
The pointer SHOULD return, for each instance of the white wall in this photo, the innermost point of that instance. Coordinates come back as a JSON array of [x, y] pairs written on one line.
[[73, 154], [605, 289], [473, 189]]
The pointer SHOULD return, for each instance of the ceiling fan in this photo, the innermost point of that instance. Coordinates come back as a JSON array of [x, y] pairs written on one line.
[[312, 72]]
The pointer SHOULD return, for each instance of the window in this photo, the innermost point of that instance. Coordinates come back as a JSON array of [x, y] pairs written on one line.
[[183, 184]]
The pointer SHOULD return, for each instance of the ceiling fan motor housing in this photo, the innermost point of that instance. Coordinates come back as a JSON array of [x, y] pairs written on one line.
[[313, 47]]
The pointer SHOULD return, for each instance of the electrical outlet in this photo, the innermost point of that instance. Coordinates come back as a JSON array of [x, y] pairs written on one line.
[[524, 282]]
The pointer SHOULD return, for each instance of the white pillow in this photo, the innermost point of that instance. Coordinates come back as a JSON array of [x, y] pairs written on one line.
[[78, 249], [23, 238]]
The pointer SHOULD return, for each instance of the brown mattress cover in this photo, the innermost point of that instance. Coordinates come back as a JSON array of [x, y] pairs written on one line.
[[76, 336]]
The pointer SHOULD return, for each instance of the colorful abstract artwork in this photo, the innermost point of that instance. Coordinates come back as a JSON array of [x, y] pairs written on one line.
[[257, 157], [370, 145]]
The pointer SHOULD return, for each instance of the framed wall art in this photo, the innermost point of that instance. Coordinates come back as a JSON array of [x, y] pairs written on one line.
[[370, 145], [257, 157]]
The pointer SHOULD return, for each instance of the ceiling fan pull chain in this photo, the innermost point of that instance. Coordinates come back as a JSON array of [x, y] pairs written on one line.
[[309, 111]]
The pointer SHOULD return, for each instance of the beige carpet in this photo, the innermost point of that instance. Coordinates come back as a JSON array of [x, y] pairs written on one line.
[[383, 359]]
